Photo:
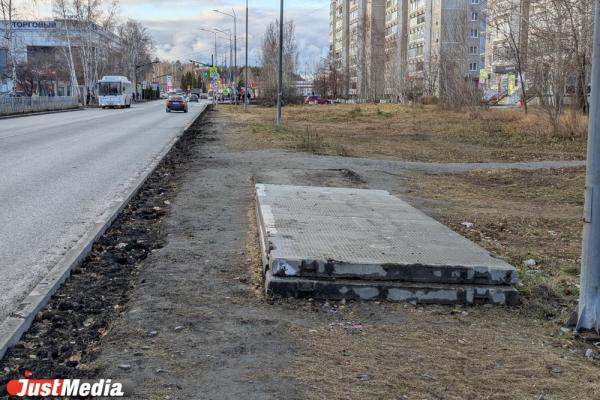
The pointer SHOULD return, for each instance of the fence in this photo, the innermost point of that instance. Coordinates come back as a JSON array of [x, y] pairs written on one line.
[[20, 105]]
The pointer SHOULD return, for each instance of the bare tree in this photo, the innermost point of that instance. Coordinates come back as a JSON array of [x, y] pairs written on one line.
[[268, 61], [321, 80], [62, 10], [9, 12], [136, 48], [510, 19], [580, 24], [91, 17], [456, 88]]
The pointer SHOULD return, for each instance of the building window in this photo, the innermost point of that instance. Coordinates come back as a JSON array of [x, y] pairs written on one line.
[[3, 61], [474, 1], [473, 66], [474, 16], [475, 33], [473, 50]]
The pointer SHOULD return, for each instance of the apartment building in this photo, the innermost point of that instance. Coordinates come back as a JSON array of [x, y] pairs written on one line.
[[357, 29], [420, 39], [446, 39]]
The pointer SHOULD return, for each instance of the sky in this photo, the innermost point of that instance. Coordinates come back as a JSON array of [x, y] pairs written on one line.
[[175, 26]]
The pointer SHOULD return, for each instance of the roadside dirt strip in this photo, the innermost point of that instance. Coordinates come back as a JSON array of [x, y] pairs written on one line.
[[78, 314]]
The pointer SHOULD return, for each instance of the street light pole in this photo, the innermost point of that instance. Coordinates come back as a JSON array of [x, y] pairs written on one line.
[[234, 16], [280, 67], [235, 73], [231, 76], [589, 296], [246, 69]]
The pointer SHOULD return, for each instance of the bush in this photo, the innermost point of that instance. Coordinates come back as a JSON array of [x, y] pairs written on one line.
[[355, 112], [428, 100]]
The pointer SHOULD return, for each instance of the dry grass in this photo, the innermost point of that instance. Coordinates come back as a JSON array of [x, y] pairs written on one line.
[[398, 351], [253, 255], [475, 352], [440, 353], [419, 133], [519, 215]]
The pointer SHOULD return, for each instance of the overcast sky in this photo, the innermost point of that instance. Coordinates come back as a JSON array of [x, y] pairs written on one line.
[[174, 25]]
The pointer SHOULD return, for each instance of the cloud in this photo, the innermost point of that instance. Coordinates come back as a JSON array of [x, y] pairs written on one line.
[[181, 37], [175, 26]]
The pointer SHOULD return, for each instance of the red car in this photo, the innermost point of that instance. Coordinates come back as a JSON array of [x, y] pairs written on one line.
[[177, 103], [316, 100]]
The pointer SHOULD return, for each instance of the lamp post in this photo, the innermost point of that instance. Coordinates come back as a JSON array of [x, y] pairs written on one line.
[[246, 69], [228, 32], [137, 67], [280, 67], [589, 295], [216, 60], [234, 16]]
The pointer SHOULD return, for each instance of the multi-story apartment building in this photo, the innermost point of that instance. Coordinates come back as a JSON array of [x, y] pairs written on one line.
[[446, 40], [420, 40], [396, 46], [356, 37]]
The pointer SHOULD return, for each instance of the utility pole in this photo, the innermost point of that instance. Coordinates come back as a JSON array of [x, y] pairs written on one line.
[[228, 32], [235, 73], [280, 67], [234, 60], [589, 296], [246, 70]]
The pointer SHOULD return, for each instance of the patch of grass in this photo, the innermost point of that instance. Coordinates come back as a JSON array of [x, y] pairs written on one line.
[[355, 112], [389, 131], [311, 142], [519, 215]]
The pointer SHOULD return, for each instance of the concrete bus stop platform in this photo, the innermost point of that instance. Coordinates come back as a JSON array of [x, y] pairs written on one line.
[[338, 243]]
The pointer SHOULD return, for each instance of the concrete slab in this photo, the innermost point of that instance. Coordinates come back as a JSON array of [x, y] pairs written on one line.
[[396, 291], [355, 244], [339, 233]]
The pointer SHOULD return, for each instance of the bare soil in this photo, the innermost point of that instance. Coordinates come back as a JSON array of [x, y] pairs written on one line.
[[419, 133]]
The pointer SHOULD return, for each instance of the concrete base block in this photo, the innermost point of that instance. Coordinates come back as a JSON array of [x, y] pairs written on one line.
[[339, 243], [421, 293]]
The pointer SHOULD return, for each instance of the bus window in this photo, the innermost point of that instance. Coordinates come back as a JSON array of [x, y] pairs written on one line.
[[110, 88]]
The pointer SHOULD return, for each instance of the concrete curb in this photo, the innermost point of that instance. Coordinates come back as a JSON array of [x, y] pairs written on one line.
[[40, 113], [12, 328]]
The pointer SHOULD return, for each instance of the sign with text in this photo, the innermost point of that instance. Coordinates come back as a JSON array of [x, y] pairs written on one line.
[[34, 24]]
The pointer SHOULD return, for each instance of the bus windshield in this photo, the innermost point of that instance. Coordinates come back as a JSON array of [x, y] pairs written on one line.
[[109, 88]]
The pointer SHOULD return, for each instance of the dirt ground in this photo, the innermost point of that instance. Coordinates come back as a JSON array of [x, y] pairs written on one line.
[[237, 343], [419, 133], [193, 323]]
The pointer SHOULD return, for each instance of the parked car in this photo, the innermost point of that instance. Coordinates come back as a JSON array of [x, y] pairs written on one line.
[[177, 103], [194, 98], [316, 100], [204, 96]]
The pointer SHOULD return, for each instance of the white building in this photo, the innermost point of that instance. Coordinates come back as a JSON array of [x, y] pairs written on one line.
[[39, 40]]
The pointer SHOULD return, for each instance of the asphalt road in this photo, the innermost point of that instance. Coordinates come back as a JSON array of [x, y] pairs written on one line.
[[60, 172]]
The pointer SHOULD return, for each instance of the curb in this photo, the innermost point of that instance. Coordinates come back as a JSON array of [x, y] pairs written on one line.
[[17, 323], [40, 113]]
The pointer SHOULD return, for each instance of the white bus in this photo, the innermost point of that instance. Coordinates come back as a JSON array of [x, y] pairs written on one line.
[[115, 91]]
